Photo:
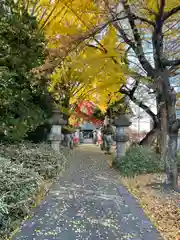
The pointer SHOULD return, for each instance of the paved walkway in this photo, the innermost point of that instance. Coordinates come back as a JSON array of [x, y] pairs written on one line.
[[88, 203]]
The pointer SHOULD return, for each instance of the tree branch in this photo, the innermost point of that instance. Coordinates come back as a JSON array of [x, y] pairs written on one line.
[[171, 62], [150, 135], [134, 15], [159, 20], [130, 94], [143, 20], [171, 12], [139, 103], [176, 125], [102, 49], [137, 46], [124, 36], [93, 46], [157, 36]]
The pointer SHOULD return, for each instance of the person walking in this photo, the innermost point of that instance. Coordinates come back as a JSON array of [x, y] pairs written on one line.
[[94, 136], [76, 138], [81, 137], [99, 138]]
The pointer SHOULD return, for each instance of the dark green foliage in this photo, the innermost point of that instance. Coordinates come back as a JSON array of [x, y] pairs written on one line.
[[40, 158], [22, 95], [40, 134], [139, 160], [23, 170], [17, 186], [98, 114], [68, 129]]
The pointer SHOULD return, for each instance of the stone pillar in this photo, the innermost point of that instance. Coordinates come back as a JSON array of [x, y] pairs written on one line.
[[106, 120], [122, 138], [55, 135]]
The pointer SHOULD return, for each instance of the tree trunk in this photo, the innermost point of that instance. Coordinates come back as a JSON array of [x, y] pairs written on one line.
[[170, 129], [150, 137], [171, 162], [65, 104], [158, 143], [153, 133], [163, 143]]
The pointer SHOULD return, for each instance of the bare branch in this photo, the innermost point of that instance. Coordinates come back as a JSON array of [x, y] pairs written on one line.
[[134, 88], [124, 36], [171, 62], [143, 20], [130, 94], [102, 49], [137, 46], [150, 11], [171, 12], [157, 37], [93, 46]]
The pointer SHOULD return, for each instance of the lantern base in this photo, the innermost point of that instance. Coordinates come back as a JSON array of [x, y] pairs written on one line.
[[55, 145]]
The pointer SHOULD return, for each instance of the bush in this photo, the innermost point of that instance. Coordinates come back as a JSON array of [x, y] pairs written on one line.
[[39, 157], [17, 187], [23, 93], [139, 160], [68, 130], [24, 169]]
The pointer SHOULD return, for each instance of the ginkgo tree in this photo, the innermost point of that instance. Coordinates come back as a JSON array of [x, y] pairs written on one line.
[[68, 87], [154, 47], [149, 31], [89, 75], [156, 33], [153, 34]]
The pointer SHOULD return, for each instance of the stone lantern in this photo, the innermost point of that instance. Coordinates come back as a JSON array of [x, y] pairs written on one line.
[[121, 123], [55, 135], [106, 120]]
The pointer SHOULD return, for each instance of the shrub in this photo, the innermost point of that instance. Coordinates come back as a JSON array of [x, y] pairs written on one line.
[[17, 188], [39, 157], [24, 105], [139, 160], [24, 167]]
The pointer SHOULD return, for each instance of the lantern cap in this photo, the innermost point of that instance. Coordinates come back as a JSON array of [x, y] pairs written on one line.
[[57, 117], [122, 121]]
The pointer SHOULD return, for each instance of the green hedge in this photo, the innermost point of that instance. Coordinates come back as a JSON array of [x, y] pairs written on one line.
[[24, 171], [38, 157], [139, 160], [17, 187]]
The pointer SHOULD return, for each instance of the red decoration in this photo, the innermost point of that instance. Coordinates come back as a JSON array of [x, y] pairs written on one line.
[[84, 110], [86, 107]]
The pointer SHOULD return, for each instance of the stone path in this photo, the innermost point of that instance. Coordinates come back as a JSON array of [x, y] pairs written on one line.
[[88, 203]]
